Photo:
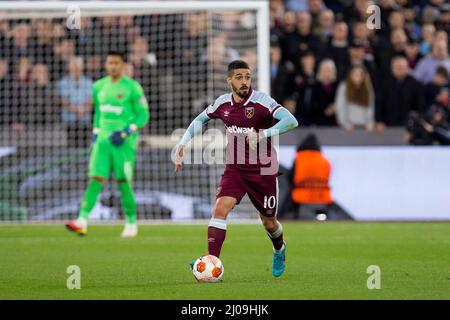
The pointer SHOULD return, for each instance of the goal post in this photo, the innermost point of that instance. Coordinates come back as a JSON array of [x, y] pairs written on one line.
[[177, 50]]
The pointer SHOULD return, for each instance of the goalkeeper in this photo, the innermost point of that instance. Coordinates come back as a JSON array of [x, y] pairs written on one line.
[[120, 109]]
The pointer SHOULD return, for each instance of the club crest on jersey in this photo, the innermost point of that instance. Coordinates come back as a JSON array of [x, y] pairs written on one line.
[[249, 112], [120, 95]]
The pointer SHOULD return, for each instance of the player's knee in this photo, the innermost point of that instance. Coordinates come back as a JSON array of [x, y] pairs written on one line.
[[99, 179], [269, 223], [220, 211]]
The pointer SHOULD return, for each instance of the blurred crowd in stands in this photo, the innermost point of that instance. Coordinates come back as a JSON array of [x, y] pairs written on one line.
[[332, 68], [329, 67]]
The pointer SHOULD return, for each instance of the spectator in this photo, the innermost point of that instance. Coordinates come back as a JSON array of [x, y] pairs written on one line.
[[396, 48], [288, 34], [251, 58], [22, 72], [297, 5], [396, 20], [401, 94], [41, 41], [63, 51], [355, 100], [32, 101], [357, 10], [431, 11], [276, 14], [315, 8], [360, 34], [336, 48], [357, 57], [85, 37], [128, 69], [305, 81], [438, 116], [412, 53], [326, 25], [305, 40], [432, 89], [142, 60], [324, 93], [434, 126], [441, 35], [21, 76], [412, 28], [444, 18], [145, 69], [75, 91], [428, 31], [426, 69], [110, 34], [20, 46], [58, 31], [281, 75], [5, 32], [386, 7], [94, 66], [5, 93], [38, 99]]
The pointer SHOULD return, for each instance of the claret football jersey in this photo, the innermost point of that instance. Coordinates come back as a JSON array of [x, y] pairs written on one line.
[[254, 113]]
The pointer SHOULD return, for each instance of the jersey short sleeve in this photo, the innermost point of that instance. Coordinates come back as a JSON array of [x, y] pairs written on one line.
[[212, 111], [268, 102], [139, 99]]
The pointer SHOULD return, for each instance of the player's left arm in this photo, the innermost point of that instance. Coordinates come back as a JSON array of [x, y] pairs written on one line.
[[141, 118], [96, 118], [286, 122], [140, 108]]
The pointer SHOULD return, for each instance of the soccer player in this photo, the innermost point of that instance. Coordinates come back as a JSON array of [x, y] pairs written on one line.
[[251, 118], [120, 110]]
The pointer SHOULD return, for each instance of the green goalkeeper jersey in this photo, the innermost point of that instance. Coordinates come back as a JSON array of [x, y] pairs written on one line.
[[118, 105]]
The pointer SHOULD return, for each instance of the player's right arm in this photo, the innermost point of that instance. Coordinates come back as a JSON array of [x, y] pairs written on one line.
[[195, 126]]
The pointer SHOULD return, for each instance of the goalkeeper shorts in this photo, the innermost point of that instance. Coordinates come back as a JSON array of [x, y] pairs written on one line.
[[105, 157]]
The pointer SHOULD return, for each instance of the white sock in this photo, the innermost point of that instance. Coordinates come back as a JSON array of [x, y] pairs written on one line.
[[279, 251], [218, 223], [82, 222]]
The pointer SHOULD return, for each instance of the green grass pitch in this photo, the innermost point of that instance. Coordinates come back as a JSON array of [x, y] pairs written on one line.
[[324, 261]]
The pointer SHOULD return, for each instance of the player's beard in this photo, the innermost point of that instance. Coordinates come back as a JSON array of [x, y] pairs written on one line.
[[240, 93]]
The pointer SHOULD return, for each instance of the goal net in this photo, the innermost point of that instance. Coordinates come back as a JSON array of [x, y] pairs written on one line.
[[52, 52]]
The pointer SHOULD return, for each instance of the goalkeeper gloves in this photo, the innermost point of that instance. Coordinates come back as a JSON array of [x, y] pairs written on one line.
[[118, 137]]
